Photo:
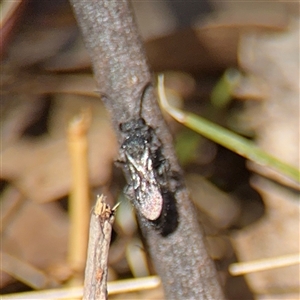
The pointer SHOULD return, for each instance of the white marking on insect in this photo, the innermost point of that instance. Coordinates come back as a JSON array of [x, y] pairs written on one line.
[[146, 187]]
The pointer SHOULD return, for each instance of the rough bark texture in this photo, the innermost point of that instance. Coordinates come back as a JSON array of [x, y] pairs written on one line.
[[121, 72], [95, 281]]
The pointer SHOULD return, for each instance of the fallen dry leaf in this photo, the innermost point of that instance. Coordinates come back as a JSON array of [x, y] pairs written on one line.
[[40, 169], [31, 236], [274, 60]]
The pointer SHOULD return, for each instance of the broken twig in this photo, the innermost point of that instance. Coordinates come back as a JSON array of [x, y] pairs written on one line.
[[95, 282]]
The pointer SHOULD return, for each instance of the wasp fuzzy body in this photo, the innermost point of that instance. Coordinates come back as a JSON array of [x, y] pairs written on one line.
[[145, 166]]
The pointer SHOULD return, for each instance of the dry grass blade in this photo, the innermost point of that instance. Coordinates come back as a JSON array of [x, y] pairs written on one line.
[[79, 202], [114, 287], [264, 264], [25, 272]]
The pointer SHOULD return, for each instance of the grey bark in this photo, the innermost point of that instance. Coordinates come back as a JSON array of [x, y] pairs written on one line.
[[121, 72], [95, 281]]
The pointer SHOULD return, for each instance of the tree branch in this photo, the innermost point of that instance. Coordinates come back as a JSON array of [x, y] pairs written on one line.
[[121, 72], [95, 281]]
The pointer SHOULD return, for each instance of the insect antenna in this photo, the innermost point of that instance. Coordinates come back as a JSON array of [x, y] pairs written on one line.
[[139, 106]]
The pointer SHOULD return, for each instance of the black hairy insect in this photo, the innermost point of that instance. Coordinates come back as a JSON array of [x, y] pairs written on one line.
[[145, 166], [147, 170]]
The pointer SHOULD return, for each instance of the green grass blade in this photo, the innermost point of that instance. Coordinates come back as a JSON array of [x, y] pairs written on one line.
[[227, 138], [239, 145]]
